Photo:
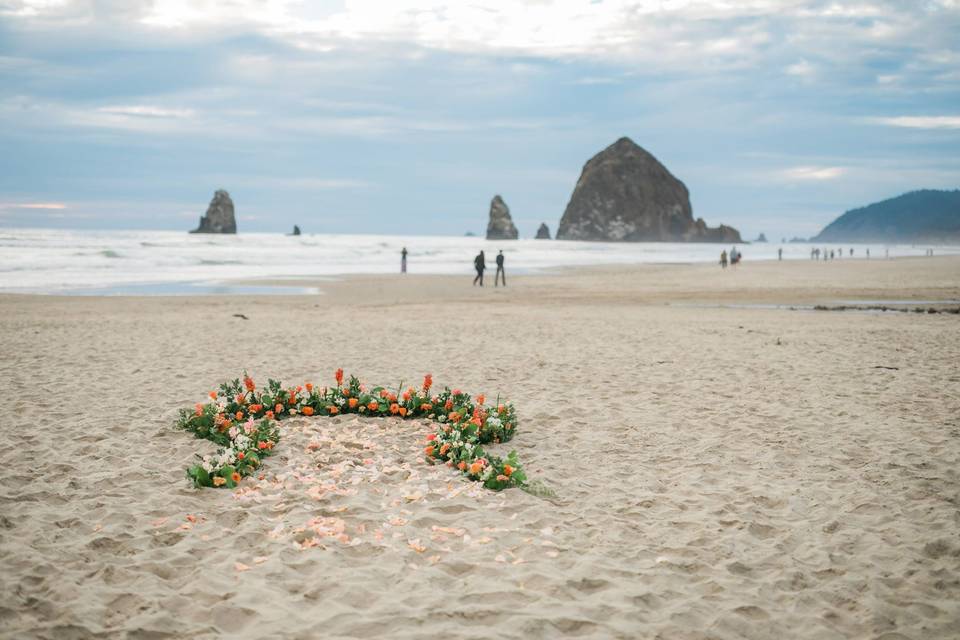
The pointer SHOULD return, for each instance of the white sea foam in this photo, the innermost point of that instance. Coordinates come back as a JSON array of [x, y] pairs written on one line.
[[60, 261]]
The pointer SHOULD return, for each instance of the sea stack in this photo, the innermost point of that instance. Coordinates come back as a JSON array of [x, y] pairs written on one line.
[[501, 225], [624, 194], [543, 233], [219, 217]]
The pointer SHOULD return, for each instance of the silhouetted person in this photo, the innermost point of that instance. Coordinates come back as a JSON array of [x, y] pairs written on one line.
[[868, 254], [403, 260], [780, 253], [500, 272], [723, 259], [479, 263]]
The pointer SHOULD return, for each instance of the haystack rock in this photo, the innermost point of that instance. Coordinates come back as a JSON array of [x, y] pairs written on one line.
[[219, 217], [501, 225], [624, 194], [543, 233]]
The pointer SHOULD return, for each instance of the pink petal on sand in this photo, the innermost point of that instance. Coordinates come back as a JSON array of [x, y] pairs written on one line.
[[239, 566]]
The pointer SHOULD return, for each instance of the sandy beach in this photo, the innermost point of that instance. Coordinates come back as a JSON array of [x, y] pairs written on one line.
[[707, 461]]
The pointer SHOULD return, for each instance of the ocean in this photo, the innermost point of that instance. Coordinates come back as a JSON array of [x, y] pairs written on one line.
[[55, 261]]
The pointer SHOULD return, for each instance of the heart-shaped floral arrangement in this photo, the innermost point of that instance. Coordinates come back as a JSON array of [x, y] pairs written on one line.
[[244, 421]]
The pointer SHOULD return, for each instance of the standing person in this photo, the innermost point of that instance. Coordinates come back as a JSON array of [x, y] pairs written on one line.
[[868, 253], [723, 259], [403, 260], [500, 272], [479, 263], [780, 253]]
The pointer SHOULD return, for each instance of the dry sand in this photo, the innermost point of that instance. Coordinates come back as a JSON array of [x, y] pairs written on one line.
[[713, 472]]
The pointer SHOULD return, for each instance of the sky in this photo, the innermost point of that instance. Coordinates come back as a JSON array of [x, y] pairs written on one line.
[[403, 117]]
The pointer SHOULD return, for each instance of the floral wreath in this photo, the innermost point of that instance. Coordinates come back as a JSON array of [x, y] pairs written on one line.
[[245, 423]]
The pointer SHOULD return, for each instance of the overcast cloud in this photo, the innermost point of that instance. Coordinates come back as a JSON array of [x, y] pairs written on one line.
[[407, 117]]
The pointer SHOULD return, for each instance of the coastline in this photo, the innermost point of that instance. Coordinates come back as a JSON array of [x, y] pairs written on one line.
[[713, 472]]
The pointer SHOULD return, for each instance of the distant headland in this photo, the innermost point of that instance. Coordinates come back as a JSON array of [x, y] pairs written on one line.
[[927, 215]]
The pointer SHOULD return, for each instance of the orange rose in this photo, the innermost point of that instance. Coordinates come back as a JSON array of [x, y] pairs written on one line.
[[427, 383], [269, 414], [426, 406], [307, 411], [333, 410], [462, 465], [353, 402], [278, 408], [394, 408], [476, 468], [403, 411], [213, 395], [241, 455], [453, 417], [309, 386], [218, 481], [429, 451], [239, 415], [373, 405], [262, 445], [481, 398], [235, 477], [507, 470], [339, 376], [248, 383], [448, 405], [445, 448], [198, 410]]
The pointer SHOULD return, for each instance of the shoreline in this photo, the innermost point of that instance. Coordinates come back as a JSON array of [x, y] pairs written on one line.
[[823, 276]]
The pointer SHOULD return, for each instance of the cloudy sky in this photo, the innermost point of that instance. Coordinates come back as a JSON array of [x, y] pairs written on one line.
[[407, 116]]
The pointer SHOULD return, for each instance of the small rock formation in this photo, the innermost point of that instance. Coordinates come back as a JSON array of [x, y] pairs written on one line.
[[543, 233], [219, 217], [761, 238], [501, 225], [296, 230], [624, 194]]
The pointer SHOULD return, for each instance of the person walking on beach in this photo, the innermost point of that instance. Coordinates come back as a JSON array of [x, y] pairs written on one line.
[[500, 272], [780, 253], [479, 263], [723, 259], [403, 260]]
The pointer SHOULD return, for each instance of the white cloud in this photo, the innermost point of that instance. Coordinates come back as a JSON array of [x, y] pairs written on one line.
[[812, 173], [33, 205], [802, 69], [148, 111], [920, 122]]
